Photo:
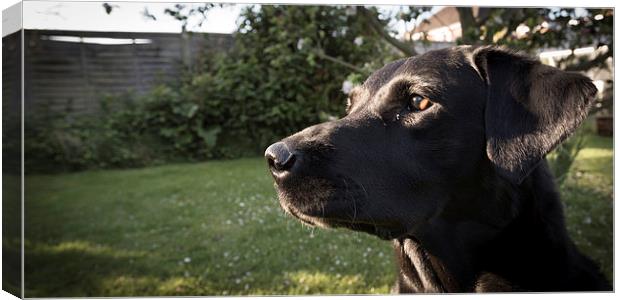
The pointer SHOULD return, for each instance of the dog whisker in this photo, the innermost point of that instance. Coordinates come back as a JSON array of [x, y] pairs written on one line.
[[347, 195]]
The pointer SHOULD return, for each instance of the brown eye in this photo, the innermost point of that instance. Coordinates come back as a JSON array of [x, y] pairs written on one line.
[[421, 103], [417, 103]]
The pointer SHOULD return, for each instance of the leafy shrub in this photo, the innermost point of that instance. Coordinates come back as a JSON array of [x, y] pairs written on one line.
[[129, 131], [59, 143]]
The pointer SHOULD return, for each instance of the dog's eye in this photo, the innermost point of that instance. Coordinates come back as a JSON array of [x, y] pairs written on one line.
[[419, 103]]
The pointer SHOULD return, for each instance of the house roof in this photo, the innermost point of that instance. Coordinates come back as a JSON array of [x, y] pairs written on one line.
[[446, 16]]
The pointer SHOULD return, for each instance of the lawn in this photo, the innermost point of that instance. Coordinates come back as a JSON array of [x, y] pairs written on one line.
[[215, 228]]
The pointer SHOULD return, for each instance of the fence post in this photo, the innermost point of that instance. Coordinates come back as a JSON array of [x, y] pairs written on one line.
[[136, 66], [186, 53], [85, 76]]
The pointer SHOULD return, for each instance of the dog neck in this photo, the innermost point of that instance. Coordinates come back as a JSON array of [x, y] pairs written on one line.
[[438, 265], [420, 271], [520, 250]]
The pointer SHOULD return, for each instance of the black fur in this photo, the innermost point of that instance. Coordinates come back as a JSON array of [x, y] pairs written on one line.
[[462, 188]]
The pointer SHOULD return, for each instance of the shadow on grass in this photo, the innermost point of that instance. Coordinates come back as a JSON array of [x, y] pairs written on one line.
[[80, 268], [11, 234], [75, 268], [11, 265]]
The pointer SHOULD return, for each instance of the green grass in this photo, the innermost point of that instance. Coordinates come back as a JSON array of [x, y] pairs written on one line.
[[215, 228], [588, 199]]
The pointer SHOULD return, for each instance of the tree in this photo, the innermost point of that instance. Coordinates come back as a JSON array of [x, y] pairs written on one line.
[[374, 22], [563, 28], [182, 13], [285, 71]]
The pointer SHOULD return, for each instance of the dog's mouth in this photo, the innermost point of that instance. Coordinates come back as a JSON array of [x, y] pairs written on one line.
[[321, 203]]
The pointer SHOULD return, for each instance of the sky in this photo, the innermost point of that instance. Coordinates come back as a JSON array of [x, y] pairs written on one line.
[[128, 16], [125, 16]]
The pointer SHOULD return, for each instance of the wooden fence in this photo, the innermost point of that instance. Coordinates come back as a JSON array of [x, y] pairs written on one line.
[[70, 71], [11, 74]]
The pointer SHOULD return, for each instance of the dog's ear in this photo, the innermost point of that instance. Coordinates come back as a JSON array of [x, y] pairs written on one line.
[[530, 108]]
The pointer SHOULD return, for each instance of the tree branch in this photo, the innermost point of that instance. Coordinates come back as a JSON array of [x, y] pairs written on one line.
[[379, 29], [588, 64], [322, 55]]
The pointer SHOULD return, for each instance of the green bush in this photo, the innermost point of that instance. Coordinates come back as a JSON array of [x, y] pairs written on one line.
[[58, 142], [128, 131]]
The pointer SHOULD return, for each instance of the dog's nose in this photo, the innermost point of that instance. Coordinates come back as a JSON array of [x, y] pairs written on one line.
[[279, 157]]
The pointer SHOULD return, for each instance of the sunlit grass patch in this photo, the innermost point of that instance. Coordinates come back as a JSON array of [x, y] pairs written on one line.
[[82, 247], [303, 282]]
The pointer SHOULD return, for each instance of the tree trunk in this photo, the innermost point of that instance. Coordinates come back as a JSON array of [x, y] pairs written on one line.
[[406, 48], [469, 27]]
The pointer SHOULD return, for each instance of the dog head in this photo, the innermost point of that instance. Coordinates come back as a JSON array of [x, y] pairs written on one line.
[[424, 137]]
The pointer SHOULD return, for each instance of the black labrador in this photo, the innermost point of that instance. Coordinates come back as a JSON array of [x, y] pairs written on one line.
[[443, 153]]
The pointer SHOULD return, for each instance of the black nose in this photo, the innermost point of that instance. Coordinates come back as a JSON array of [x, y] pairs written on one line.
[[279, 157]]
